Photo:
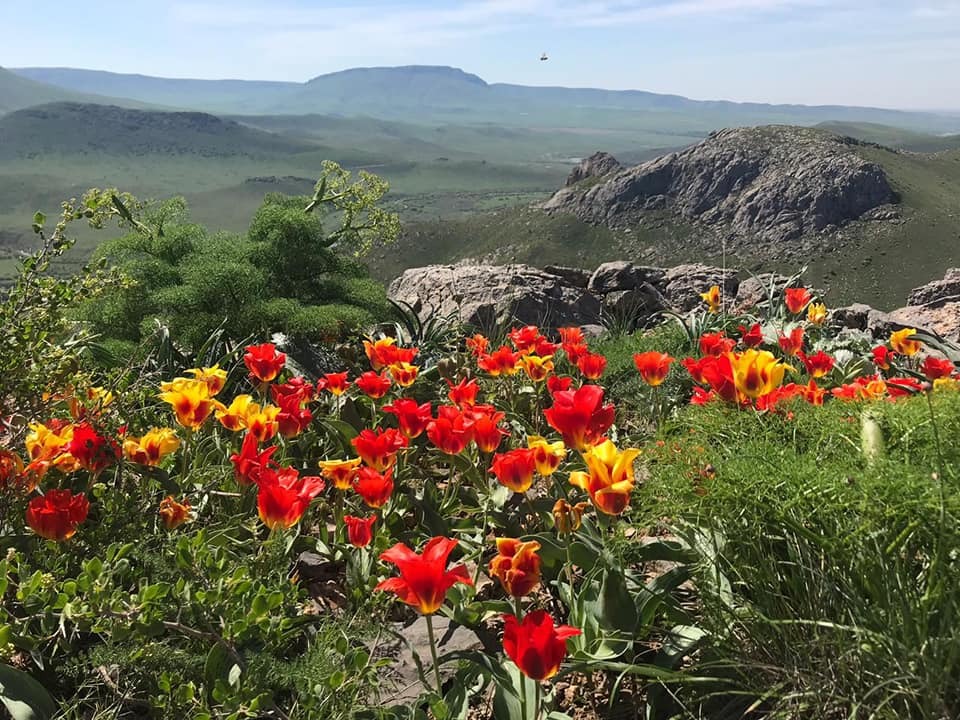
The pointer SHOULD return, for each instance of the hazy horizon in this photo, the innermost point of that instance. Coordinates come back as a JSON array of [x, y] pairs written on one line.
[[813, 52]]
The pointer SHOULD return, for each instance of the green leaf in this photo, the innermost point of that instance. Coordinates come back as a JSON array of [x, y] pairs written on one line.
[[23, 697], [217, 666]]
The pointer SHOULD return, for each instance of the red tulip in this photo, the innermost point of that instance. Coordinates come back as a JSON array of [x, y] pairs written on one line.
[[535, 645], [56, 515], [753, 337], [883, 356], [516, 565], [818, 364], [411, 418], [580, 416], [264, 362], [249, 464], [359, 530], [515, 469], [294, 387], [936, 368], [792, 344], [653, 366], [501, 361], [283, 496], [797, 299], [335, 383], [717, 372], [591, 365], [424, 579], [575, 351], [571, 335], [464, 393], [813, 394], [701, 396], [526, 339], [373, 385], [379, 448], [477, 345], [555, 384], [293, 418], [716, 344], [903, 386], [92, 451], [485, 422], [695, 367], [374, 487], [452, 431]]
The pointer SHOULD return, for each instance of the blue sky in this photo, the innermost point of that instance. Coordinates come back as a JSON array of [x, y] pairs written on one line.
[[891, 53]]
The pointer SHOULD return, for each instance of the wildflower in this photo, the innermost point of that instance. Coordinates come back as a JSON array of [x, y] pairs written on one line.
[[882, 357], [378, 449], [381, 353], [234, 416], [334, 383], [95, 399], [535, 645], [516, 565], [515, 469], [712, 298], [92, 451], [568, 518], [797, 299], [716, 344], [547, 456], [575, 351], [373, 385], [537, 368], [487, 432], [478, 345], [580, 416], [152, 447], [525, 339], [816, 313], [283, 496], [903, 387], [292, 418], [653, 366], [57, 514], [172, 513], [901, 342], [191, 402], [936, 368], [264, 362], [262, 422], [591, 365], [701, 396], [501, 361], [424, 579], [610, 478], [555, 384], [359, 530], [12, 473], [375, 488], [571, 335], [214, 377], [751, 337], [757, 372], [451, 431], [813, 394], [412, 419], [403, 373], [249, 464], [340, 472], [792, 344], [818, 365], [717, 372], [464, 393], [296, 387]]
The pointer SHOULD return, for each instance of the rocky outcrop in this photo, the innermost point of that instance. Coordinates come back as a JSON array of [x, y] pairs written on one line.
[[595, 166], [494, 296], [774, 183]]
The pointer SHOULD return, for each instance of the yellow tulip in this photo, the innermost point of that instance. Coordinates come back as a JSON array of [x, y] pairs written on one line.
[[900, 342], [547, 455], [152, 447], [756, 372], [712, 298], [610, 478]]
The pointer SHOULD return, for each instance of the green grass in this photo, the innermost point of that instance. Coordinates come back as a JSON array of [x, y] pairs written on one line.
[[894, 137]]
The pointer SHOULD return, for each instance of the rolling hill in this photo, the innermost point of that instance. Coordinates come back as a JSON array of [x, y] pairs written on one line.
[[18, 92], [871, 222], [445, 94], [894, 137]]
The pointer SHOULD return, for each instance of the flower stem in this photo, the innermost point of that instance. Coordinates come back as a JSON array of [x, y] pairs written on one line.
[[433, 654], [518, 611]]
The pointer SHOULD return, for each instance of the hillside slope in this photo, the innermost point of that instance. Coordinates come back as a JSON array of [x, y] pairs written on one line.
[[18, 92], [871, 223], [894, 137], [72, 128], [446, 94]]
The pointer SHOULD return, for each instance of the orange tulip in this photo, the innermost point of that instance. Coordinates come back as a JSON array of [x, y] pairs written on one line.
[[580, 416], [57, 514], [191, 402], [340, 472], [424, 579], [797, 299], [152, 447], [379, 448], [653, 366], [591, 365], [568, 518], [172, 513], [516, 565]]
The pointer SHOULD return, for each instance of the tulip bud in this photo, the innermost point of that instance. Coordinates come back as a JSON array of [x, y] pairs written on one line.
[[568, 518], [447, 367]]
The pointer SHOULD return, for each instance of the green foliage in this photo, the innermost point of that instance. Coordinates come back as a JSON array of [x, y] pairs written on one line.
[[287, 275]]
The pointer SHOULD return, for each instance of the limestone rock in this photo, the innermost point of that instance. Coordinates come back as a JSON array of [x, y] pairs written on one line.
[[938, 290], [623, 275], [683, 284], [773, 183], [492, 296], [597, 165]]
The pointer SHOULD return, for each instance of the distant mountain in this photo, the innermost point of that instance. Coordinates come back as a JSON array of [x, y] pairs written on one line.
[[68, 128], [894, 137], [445, 94], [18, 92]]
